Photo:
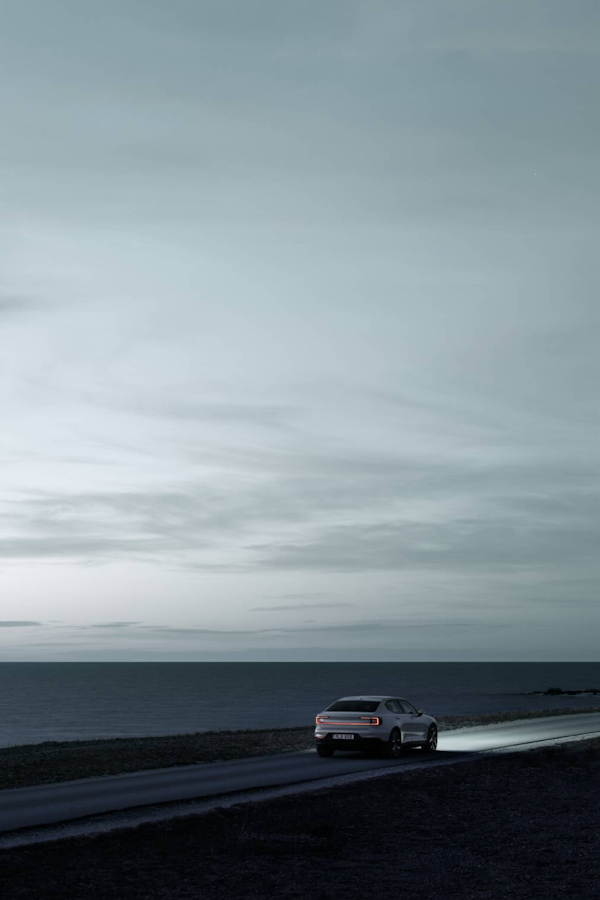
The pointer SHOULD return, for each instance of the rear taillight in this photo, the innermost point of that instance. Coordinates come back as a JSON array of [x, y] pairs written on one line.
[[364, 720]]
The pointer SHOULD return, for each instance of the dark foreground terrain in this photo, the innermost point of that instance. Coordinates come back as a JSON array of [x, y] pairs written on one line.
[[515, 826]]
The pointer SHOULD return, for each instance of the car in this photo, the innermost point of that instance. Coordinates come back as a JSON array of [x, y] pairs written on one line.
[[385, 725]]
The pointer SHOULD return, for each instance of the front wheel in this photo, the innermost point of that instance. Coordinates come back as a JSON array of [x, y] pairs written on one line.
[[393, 748], [432, 740], [323, 750]]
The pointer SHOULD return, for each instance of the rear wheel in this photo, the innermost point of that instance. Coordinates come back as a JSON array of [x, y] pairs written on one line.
[[432, 740], [323, 750], [393, 748]]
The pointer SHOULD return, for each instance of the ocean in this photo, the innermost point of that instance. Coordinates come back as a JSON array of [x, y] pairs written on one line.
[[75, 701]]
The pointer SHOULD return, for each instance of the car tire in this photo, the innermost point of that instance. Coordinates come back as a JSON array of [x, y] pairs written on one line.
[[324, 751], [392, 749], [432, 740]]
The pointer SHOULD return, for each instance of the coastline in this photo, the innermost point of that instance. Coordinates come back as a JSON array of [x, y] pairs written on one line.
[[50, 762]]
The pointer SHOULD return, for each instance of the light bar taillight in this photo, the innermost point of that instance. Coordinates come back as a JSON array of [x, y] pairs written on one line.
[[364, 720]]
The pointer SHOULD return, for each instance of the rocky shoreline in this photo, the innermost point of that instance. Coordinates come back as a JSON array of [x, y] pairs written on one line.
[[561, 692], [53, 761]]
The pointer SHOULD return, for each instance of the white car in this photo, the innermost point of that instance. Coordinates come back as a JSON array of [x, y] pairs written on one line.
[[384, 724]]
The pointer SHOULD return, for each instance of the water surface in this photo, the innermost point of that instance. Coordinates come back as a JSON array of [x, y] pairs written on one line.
[[72, 701]]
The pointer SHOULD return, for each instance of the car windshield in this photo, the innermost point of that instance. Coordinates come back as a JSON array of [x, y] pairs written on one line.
[[353, 706]]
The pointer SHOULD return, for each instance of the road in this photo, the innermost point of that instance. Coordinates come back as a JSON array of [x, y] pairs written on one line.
[[46, 804]]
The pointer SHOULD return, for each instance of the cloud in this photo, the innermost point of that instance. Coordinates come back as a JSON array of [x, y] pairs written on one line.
[[331, 328], [450, 514], [175, 405], [82, 548], [11, 307], [172, 630], [363, 628], [396, 638], [18, 624], [459, 545], [295, 606], [113, 625]]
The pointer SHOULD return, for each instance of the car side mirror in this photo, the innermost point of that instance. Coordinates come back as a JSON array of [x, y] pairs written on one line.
[[420, 712]]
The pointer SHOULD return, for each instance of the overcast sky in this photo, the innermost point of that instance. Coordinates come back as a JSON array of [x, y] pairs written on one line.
[[299, 329]]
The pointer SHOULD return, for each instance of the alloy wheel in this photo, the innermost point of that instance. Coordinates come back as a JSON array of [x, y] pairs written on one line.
[[432, 739], [395, 745]]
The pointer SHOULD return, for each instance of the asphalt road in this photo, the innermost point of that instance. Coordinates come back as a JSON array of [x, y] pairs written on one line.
[[46, 804]]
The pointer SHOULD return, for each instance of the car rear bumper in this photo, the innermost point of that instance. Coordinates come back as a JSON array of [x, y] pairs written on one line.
[[358, 742]]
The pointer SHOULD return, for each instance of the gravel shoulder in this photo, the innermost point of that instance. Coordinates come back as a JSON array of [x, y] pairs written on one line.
[[525, 825], [55, 761]]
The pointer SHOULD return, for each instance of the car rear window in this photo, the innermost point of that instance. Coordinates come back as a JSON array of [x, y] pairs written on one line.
[[353, 706]]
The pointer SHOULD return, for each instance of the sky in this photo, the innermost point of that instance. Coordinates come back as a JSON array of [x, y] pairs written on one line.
[[299, 330]]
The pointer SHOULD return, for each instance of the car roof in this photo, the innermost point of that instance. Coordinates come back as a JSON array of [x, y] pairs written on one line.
[[369, 697]]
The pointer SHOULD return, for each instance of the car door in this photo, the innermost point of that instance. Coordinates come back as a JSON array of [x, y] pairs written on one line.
[[415, 727], [393, 710]]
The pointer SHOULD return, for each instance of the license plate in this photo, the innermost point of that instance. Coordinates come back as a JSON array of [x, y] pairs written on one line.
[[343, 737]]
